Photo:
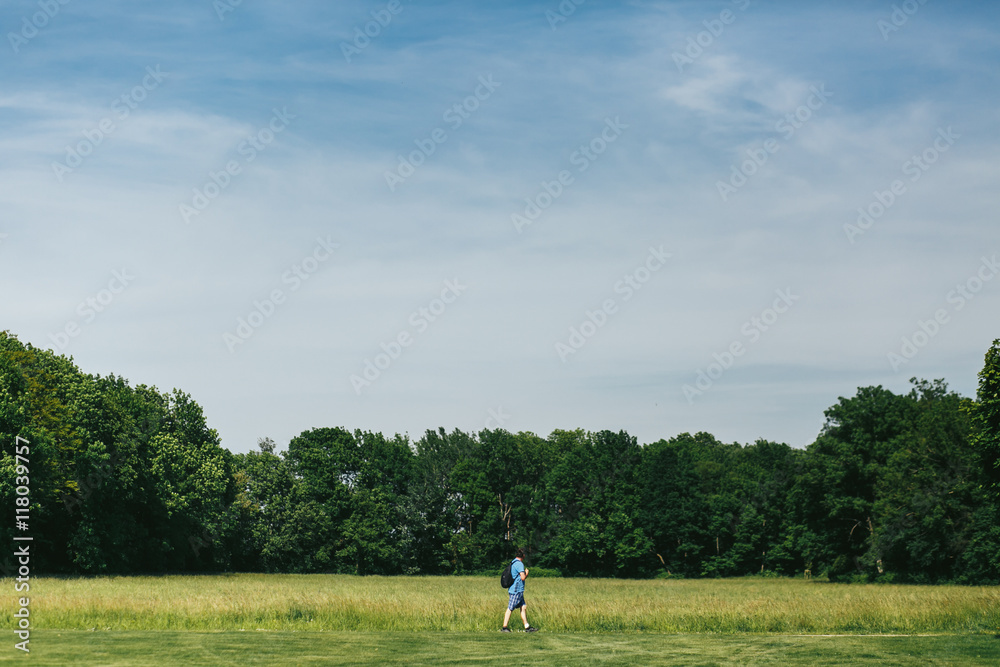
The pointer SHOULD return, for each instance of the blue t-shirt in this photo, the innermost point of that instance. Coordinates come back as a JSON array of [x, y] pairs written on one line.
[[516, 568]]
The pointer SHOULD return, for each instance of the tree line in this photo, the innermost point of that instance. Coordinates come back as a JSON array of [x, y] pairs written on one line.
[[123, 479]]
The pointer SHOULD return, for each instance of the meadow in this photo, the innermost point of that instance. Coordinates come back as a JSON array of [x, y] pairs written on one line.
[[338, 619]]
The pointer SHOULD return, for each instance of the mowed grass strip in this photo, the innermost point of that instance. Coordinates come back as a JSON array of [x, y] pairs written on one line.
[[252, 602], [245, 649]]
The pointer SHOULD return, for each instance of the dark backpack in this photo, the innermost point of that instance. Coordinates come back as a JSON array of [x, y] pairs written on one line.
[[507, 579]]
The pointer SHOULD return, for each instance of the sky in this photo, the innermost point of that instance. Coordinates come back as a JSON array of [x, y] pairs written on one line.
[[401, 215]]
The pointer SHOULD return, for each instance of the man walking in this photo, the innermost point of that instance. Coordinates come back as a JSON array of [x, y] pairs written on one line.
[[516, 592]]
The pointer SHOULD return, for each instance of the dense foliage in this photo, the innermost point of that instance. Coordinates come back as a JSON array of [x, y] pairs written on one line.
[[128, 479]]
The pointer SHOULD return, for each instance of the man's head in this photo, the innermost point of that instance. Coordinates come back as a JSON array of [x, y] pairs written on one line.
[[520, 553]]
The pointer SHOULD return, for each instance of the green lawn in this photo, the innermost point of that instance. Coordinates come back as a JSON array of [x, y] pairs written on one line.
[[165, 648], [253, 619]]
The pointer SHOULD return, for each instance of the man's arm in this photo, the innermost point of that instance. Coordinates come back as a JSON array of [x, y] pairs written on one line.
[[524, 575]]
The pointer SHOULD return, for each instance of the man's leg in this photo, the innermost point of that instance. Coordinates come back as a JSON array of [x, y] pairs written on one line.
[[524, 614], [506, 618]]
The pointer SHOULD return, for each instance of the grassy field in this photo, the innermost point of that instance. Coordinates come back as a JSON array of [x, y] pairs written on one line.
[[333, 619], [254, 602]]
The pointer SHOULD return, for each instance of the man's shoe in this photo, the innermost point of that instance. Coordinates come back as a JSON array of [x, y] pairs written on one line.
[[505, 629], [530, 629]]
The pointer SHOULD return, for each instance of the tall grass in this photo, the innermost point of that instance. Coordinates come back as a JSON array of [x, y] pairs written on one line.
[[339, 602]]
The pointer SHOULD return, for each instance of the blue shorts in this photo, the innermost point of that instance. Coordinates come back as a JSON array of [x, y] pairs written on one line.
[[516, 601]]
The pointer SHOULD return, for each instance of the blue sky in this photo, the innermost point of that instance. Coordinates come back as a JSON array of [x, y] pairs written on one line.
[[695, 261]]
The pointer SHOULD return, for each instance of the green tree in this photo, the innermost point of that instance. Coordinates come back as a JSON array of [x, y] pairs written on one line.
[[980, 561], [376, 539], [836, 494], [194, 481], [756, 492], [675, 510], [326, 463], [985, 417], [925, 496], [37, 391], [595, 497]]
